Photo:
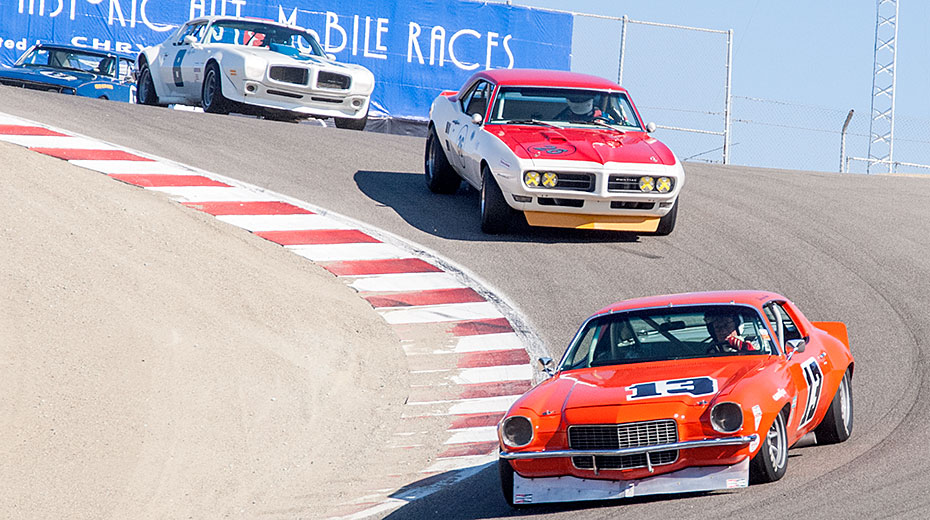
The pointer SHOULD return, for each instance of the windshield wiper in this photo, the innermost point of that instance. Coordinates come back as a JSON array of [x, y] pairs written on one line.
[[599, 123], [530, 122]]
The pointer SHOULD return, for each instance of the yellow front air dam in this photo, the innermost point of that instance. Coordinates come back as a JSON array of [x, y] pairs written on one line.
[[644, 224]]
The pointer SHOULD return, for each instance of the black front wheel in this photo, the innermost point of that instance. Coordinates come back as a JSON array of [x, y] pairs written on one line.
[[667, 223], [145, 91], [495, 213], [771, 462], [351, 124], [506, 473], [211, 98]]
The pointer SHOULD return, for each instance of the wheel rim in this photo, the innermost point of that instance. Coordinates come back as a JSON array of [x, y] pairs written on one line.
[[845, 403], [431, 158], [144, 85], [210, 90], [484, 196], [778, 452]]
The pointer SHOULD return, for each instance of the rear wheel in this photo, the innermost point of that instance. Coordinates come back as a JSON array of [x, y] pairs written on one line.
[[837, 424], [667, 223], [145, 91], [440, 177], [211, 97], [495, 213], [771, 462]]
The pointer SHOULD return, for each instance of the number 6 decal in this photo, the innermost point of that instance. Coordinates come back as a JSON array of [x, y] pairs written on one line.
[[814, 378]]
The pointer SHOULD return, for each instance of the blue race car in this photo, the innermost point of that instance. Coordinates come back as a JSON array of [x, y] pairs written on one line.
[[74, 70]]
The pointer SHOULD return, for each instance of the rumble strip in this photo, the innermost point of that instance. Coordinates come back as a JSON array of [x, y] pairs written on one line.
[[469, 383]]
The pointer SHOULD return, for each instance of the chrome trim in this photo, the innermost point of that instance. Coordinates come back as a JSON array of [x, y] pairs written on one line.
[[706, 443]]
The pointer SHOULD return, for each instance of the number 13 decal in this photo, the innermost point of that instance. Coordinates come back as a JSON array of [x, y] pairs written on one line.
[[814, 378]]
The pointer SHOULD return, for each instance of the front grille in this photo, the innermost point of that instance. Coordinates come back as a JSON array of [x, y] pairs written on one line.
[[622, 183], [333, 80], [284, 94], [619, 436], [295, 75], [575, 182], [570, 203], [37, 86], [625, 204], [327, 100]]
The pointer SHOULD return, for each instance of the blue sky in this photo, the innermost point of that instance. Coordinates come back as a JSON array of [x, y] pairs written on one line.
[[806, 53]]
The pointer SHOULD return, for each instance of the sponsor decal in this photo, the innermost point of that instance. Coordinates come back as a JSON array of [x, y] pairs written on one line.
[[58, 75], [779, 394], [695, 386], [733, 483], [552, 149], [757, 415], [522, 498], [103, 86]]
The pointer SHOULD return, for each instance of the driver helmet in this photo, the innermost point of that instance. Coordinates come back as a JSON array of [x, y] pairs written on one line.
[[580, 104], [714, 315]]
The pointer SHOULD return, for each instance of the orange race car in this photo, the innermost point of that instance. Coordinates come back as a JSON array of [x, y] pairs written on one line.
[[680, 393]]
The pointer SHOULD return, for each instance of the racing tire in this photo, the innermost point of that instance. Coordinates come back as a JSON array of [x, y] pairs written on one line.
[[771, 462], [145, 92], [667, 223], [495, 213], [439, 175], [347, 123], [837, 424], [211, 95], [506, 473]]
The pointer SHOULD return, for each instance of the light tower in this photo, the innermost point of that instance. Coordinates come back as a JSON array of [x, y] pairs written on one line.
[[881, 128]]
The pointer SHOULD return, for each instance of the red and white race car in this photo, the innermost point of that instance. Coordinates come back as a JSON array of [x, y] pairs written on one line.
[[565, 149], [676, 394]]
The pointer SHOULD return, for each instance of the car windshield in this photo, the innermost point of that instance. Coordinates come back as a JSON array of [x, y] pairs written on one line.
[[564, 107], [70, 59], [257, 34], [667, 334]]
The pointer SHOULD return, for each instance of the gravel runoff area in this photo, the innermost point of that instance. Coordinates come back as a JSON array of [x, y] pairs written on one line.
[[157, 363]]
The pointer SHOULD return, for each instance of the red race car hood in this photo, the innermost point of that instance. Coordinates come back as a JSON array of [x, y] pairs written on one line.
[[600, 145], [681, 381]]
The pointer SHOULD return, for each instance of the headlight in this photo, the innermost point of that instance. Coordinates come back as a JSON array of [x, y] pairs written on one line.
[[516, 431], [726, 417], [531, 179], [550, 179], [664, 185], [646, 183], [254, 68]]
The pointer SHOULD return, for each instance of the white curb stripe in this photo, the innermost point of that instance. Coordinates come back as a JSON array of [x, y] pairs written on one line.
[[467, 406], [454, 463], [441, 313], [476, 434], [212, 194], [55, 141], [472, 376], [282, 222], [406, 282], [132, 167], [482, 342], [348, 252]]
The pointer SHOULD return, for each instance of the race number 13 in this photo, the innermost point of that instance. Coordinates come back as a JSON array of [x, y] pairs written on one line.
[[695, 386]]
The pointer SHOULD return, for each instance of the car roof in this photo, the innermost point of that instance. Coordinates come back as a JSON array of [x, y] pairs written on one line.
[[753, 298], [215, 18], [87, 50], [547, 78]]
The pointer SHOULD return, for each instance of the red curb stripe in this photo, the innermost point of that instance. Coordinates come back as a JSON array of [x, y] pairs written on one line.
[[28, 130], [248, 208], [70, 154], [317, 236], [493, 358], [476, 327], [472, 448], [476, 420], [431, 297], [158, 180], [498, 389], [386, 266]]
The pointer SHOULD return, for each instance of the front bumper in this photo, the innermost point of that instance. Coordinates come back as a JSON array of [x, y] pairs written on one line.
[[311, 102], [573, 489]]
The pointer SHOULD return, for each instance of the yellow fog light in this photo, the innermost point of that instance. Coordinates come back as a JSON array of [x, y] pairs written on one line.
[[663, 185], [646, 183], [531, 179], [549, 180]]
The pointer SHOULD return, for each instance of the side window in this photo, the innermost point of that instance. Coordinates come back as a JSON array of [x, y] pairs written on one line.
[[774, 312], [195, 30], [465, 98], [580, 355], [478, 103]]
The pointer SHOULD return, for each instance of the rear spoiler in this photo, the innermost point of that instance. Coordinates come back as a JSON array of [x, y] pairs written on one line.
[[837, 329], [448, 93]]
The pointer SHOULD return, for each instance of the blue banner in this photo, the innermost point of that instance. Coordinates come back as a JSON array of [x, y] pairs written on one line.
[[415, 48]]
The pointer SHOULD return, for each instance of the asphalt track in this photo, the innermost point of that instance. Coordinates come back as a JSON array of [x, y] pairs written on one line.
[[847, 247]]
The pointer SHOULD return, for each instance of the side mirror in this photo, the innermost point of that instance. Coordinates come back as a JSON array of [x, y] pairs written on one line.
[[190, 39], [546, 365], [794, 346], [650, 127], [477, 119], [330, 56]]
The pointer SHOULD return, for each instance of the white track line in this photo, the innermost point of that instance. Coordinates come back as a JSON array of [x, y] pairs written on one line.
[[213, 194], [406, 282], [441, 313], [348, 252], [55, 141], [110, 167], [282, 222]]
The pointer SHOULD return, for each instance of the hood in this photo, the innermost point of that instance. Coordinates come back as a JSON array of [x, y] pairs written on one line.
[[600, 145], [284, 55], [51, 76]]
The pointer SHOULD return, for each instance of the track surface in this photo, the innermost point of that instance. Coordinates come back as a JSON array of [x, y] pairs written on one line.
[[852, 248]]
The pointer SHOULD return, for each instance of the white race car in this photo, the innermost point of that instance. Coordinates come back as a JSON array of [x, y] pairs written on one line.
[[567, 150], [228, 64]]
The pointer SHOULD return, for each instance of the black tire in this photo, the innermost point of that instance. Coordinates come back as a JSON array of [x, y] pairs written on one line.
[[506, 473], [440, 177], [351, 124], [771, 462], [495, 213], [211, 95], [667, 223], [837, 424], [145, 90]]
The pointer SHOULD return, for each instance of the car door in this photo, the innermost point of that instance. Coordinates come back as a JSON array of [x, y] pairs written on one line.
[[457, 126], [470, 149], [173, 55], [807, 368]]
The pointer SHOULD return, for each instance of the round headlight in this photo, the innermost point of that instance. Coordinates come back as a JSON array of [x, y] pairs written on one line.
[[726, 417], [646, 183], [516, 431], [550, 179], [531, 179], [663, 185]]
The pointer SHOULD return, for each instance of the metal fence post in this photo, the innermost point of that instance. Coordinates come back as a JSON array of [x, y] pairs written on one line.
[[729, 100], [622, 48], [843, 162]]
